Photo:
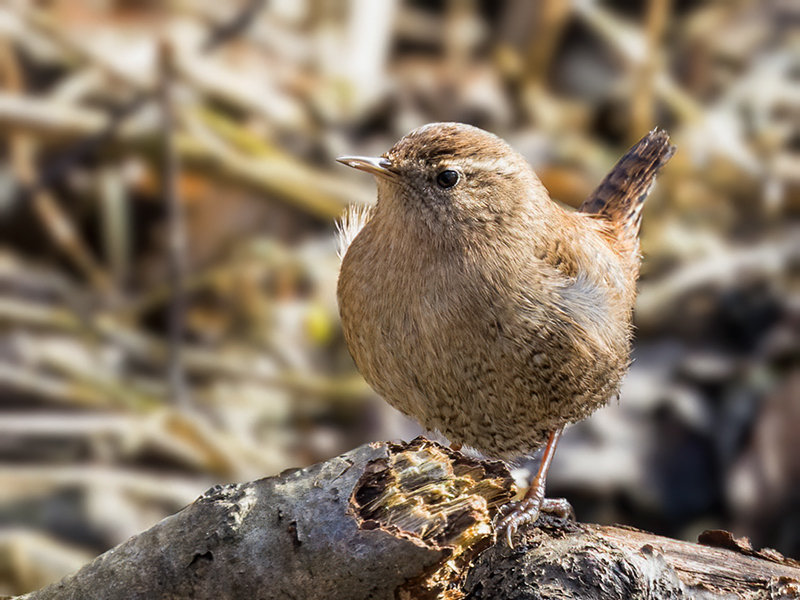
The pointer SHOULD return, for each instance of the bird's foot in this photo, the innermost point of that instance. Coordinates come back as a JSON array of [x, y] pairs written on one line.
[[516, 514]]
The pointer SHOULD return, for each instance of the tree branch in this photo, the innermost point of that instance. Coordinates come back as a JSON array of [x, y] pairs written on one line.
[[408, 521]]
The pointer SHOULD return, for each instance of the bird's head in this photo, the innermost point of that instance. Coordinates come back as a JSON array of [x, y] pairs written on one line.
[[451, 175]]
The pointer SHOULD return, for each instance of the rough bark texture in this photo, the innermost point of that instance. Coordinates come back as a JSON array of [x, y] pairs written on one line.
[[408, 521]]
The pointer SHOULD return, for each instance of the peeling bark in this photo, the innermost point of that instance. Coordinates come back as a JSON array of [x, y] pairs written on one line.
[[575, 561], [408, 521]]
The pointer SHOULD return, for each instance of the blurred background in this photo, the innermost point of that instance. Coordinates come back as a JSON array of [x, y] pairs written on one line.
[[168, 192]]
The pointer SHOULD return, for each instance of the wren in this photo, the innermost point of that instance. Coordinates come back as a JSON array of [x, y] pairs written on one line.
[[478, 306]]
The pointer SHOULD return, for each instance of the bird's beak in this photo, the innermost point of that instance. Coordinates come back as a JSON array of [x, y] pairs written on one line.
[[375, 165]]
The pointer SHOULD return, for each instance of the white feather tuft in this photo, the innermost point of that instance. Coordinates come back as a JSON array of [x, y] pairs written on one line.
[[349, 225]]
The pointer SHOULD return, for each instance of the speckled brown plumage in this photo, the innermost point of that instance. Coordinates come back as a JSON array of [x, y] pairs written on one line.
[[484, 310]]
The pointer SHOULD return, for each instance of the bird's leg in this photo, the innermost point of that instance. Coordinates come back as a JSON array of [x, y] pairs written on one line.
[[534, 502]]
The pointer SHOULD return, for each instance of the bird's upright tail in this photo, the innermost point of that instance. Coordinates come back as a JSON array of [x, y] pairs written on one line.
[[621, 195]]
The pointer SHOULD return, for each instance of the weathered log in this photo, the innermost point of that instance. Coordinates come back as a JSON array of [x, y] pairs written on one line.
[[408, 521]]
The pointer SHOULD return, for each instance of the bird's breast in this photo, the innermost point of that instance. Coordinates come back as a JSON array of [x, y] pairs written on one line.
[[407, 313]]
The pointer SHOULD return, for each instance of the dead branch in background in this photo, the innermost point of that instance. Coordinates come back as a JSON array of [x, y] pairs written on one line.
[[176, 229], [57, 168]]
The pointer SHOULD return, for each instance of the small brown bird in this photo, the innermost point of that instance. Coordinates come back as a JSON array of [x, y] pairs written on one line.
[[478, 306]]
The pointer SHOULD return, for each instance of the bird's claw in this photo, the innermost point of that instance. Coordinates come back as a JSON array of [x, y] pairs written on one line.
[[516, 514]]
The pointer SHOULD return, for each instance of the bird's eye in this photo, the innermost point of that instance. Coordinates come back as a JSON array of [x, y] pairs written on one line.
[[447, 178]]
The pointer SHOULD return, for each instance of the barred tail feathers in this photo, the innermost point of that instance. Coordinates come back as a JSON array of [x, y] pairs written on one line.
[[621, 195]]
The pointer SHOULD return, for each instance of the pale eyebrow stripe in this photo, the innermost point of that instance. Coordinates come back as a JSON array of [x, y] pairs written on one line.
[[483, 164], [498, 165]]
